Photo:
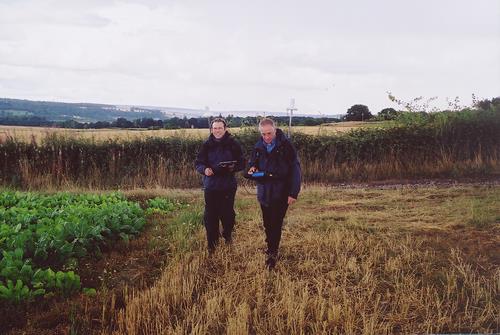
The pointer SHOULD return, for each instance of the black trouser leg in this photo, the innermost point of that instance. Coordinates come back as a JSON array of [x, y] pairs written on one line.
[[219, 206], [227, 214], [211, 219], [273, 216]]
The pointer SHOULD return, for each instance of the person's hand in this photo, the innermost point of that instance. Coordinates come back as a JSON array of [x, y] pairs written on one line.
[[209, 172], [291, 200], [252, 170]]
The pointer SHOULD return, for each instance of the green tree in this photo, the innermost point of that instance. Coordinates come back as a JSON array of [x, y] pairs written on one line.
[[358, 113], [388, 114], [487, 104]]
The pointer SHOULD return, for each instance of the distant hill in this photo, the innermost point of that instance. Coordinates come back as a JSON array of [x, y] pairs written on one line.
[[90, 112], [82, 112]]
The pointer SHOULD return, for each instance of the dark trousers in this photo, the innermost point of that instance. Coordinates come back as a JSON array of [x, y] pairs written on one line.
[[273, 216], [219, 206]]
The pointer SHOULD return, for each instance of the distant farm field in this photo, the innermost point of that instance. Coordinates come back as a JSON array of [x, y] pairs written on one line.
[[388, 260], [39, 133]]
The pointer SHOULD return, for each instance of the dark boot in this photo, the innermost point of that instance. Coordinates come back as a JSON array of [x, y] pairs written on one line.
[[271, 260], [227, 214]]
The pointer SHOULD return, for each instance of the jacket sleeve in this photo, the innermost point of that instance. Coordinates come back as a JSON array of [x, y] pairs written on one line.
[[239, 157], [253, 160], [201, 162], [295, 175]]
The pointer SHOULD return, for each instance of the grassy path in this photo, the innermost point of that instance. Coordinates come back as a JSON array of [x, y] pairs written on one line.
[[352, 261]]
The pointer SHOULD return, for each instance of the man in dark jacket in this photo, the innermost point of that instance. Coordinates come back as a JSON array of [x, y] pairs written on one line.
[[275, 167], [218, 160]]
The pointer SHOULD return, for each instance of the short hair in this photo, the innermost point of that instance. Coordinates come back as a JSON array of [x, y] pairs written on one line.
[[218, 119], [266, 122]]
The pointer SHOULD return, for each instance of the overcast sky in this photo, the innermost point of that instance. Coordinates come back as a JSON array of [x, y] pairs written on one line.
[[249, 55]]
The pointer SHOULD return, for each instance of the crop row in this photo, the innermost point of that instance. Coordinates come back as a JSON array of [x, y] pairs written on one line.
[[43, 236]]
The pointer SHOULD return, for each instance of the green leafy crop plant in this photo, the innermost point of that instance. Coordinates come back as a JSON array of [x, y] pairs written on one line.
[[39, 233], [160, 205]]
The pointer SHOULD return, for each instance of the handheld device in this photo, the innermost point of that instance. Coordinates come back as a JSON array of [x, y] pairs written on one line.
[[259, 175], [226, 164]]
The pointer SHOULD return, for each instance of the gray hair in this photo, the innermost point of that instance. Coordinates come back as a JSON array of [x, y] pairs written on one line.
[[266, 122]]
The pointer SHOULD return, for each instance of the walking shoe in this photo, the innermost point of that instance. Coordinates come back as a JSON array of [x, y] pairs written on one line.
[[211, 251], [271, 261]]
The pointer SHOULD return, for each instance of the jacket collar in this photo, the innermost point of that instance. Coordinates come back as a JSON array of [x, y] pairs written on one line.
[[213, 141]]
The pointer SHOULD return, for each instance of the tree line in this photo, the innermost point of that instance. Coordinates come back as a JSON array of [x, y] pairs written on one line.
[[150, 123], [356, 112]]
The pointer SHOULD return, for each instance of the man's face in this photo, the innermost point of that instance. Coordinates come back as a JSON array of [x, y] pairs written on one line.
[[268, 133], [218, 129]]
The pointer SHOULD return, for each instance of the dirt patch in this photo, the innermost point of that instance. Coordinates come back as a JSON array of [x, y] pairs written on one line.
[[340, 208], [373, 208], [356, 206], [418, 183]]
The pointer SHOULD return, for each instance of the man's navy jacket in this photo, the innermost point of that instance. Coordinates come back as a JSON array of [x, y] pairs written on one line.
[[213, 152], [283, 166]]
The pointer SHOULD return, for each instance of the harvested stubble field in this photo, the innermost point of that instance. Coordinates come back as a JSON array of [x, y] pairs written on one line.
[[353, 261], [29, 134]]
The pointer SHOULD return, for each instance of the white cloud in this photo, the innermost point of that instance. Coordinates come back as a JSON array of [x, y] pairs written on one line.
[[329, 55]]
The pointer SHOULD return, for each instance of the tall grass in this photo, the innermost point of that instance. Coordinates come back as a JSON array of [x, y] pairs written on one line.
[[443, 144]]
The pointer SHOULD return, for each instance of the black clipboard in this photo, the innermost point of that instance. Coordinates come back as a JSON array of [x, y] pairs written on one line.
[[225, 164]]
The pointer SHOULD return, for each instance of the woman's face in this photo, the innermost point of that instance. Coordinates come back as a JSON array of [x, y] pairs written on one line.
[[218, 129]]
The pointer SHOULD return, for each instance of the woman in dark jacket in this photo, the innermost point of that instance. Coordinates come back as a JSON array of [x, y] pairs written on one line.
[[218, 160]]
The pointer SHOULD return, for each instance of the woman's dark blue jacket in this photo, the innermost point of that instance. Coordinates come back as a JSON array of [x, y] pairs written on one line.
[[213, 152]]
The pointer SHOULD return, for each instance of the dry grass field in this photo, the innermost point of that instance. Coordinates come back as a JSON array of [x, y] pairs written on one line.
[[353, 261], [384, 260], [38, 133]]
